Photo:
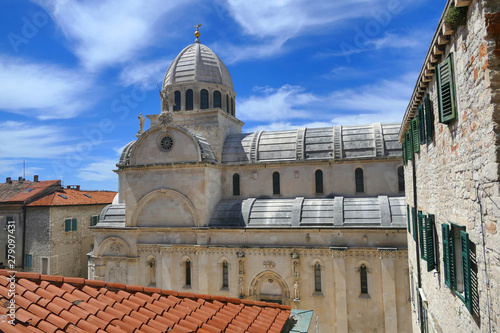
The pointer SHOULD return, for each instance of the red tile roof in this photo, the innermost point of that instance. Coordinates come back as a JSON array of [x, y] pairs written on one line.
[[75, 197], [47, 303], [22, 191]]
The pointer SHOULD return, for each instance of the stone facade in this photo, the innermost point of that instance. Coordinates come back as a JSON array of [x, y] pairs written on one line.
[[312, 218], [454, 176]]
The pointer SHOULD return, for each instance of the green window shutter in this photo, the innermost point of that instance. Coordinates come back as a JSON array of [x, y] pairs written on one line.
[[446, 91], [446, 253], [27, 261], [414, 218], [451, 259], [464, 242], [414, 133], [73, 224], [429, 242], [403, 147], [408, 145], [421, 124], [429, 119], [421, 238], [67, 225], [408, 217], [94, 219]]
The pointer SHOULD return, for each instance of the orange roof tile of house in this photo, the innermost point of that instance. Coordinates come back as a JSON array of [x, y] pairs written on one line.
[[66, 197], [49, 303], [22, 191]]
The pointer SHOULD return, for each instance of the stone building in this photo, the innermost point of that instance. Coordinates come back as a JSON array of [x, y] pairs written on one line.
[[57, 234], [15, 195], [313, 218], [450, 136]]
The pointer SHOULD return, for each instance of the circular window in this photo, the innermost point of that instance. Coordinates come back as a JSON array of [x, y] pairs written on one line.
[[166, 143]]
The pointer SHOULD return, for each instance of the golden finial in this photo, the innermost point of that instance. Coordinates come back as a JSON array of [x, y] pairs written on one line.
[[197, 32]]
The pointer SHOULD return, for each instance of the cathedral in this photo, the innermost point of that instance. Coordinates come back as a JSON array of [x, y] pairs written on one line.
[[314, 218]]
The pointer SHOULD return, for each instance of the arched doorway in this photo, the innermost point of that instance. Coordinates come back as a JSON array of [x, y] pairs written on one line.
[[269, 286]]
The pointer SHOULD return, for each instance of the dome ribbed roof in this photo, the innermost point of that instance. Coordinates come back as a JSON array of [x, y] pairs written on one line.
[[197, 63]]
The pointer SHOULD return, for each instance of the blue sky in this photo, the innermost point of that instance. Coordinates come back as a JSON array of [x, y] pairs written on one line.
[[76, 74]]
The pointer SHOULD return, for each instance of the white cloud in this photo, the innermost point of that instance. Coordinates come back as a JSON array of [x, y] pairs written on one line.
[[41, 90], [106, 32], [145, 74], [392, 40], [98, 171], [291, 107], [22, 140]]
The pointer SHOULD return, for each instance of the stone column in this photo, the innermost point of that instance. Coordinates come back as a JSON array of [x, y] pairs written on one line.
[[340, 304], [389, 292], [203, 274]]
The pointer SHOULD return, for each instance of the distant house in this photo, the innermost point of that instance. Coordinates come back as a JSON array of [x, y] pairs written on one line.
[[15, 195], [57, 230]]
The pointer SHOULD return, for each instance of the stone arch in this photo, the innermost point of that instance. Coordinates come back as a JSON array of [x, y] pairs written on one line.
[[181, 211], [113, 247], [265, 286]]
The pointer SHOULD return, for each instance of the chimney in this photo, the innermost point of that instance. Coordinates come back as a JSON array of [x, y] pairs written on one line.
[[20, 179], [78, 187], [8, 180], [35, 178]]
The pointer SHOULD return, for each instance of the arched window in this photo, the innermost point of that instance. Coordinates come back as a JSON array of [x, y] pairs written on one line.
[[188, 273], [225, 275], [177, 100], [363, 277], [227, 103], [401, 179], [217, 99], [203, 99], [319, 181], [276, 183], [360, 186], [189, 99], [236, 184], [317, 277], [232, 106]]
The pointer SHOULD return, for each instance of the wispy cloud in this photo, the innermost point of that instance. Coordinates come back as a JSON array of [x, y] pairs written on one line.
[[103, 33], [291, 106], [145, 74], [99, 171], [41, 90], [28, 141]]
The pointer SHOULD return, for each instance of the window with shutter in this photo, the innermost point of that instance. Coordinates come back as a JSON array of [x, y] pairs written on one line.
[[471, 296], [403, 148], [415, 135], [73, 224], [421, 124], [27, 260], [67, 225], [414, 219], [429, 119], [446, 253], [409, 145], [446, 91], [421, 237], [429, 242]]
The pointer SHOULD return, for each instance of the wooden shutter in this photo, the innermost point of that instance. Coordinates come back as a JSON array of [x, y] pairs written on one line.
[[414, 218], [429, 242], [421, 124], [67, 225], [403, 147], [464, 242], [421, 228], [446, 91], [27, 260], [451, 259], [429, 119], [408, 145], [446, 253], [73, 224], [415, 136]]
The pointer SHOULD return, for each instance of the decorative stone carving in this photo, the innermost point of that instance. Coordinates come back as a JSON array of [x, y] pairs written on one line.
[[165, 118], [268, 264], [296, 291], [115, 248], [141, 124]]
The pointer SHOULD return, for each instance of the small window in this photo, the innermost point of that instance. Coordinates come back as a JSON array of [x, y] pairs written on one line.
[[225, 275], [401, 179], [27, 260], [363, 277], [236, 184], [189, 99], [317, 277], [217, 99], [415, 135], [227, 103], [177, 100], [276, 183], [319, 181], [188, 273], [203, 99], [63, 196], [447, 99], [73, 224], [67, 225], [232, 106], [94, 220], [360, 186]]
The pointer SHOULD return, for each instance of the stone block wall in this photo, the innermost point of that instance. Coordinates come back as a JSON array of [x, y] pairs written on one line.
[[456, 176]]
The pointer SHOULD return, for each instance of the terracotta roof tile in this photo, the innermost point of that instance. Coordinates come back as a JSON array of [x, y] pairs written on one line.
[[54, 304], [75, 197], [25, 191]]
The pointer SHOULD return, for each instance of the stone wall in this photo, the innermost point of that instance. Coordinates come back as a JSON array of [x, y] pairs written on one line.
[[456, 178]]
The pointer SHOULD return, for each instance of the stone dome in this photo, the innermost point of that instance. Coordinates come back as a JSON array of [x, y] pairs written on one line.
[[197, 63]]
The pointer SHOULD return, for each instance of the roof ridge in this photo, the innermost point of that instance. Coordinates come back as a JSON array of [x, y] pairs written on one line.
[[77, 281]]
